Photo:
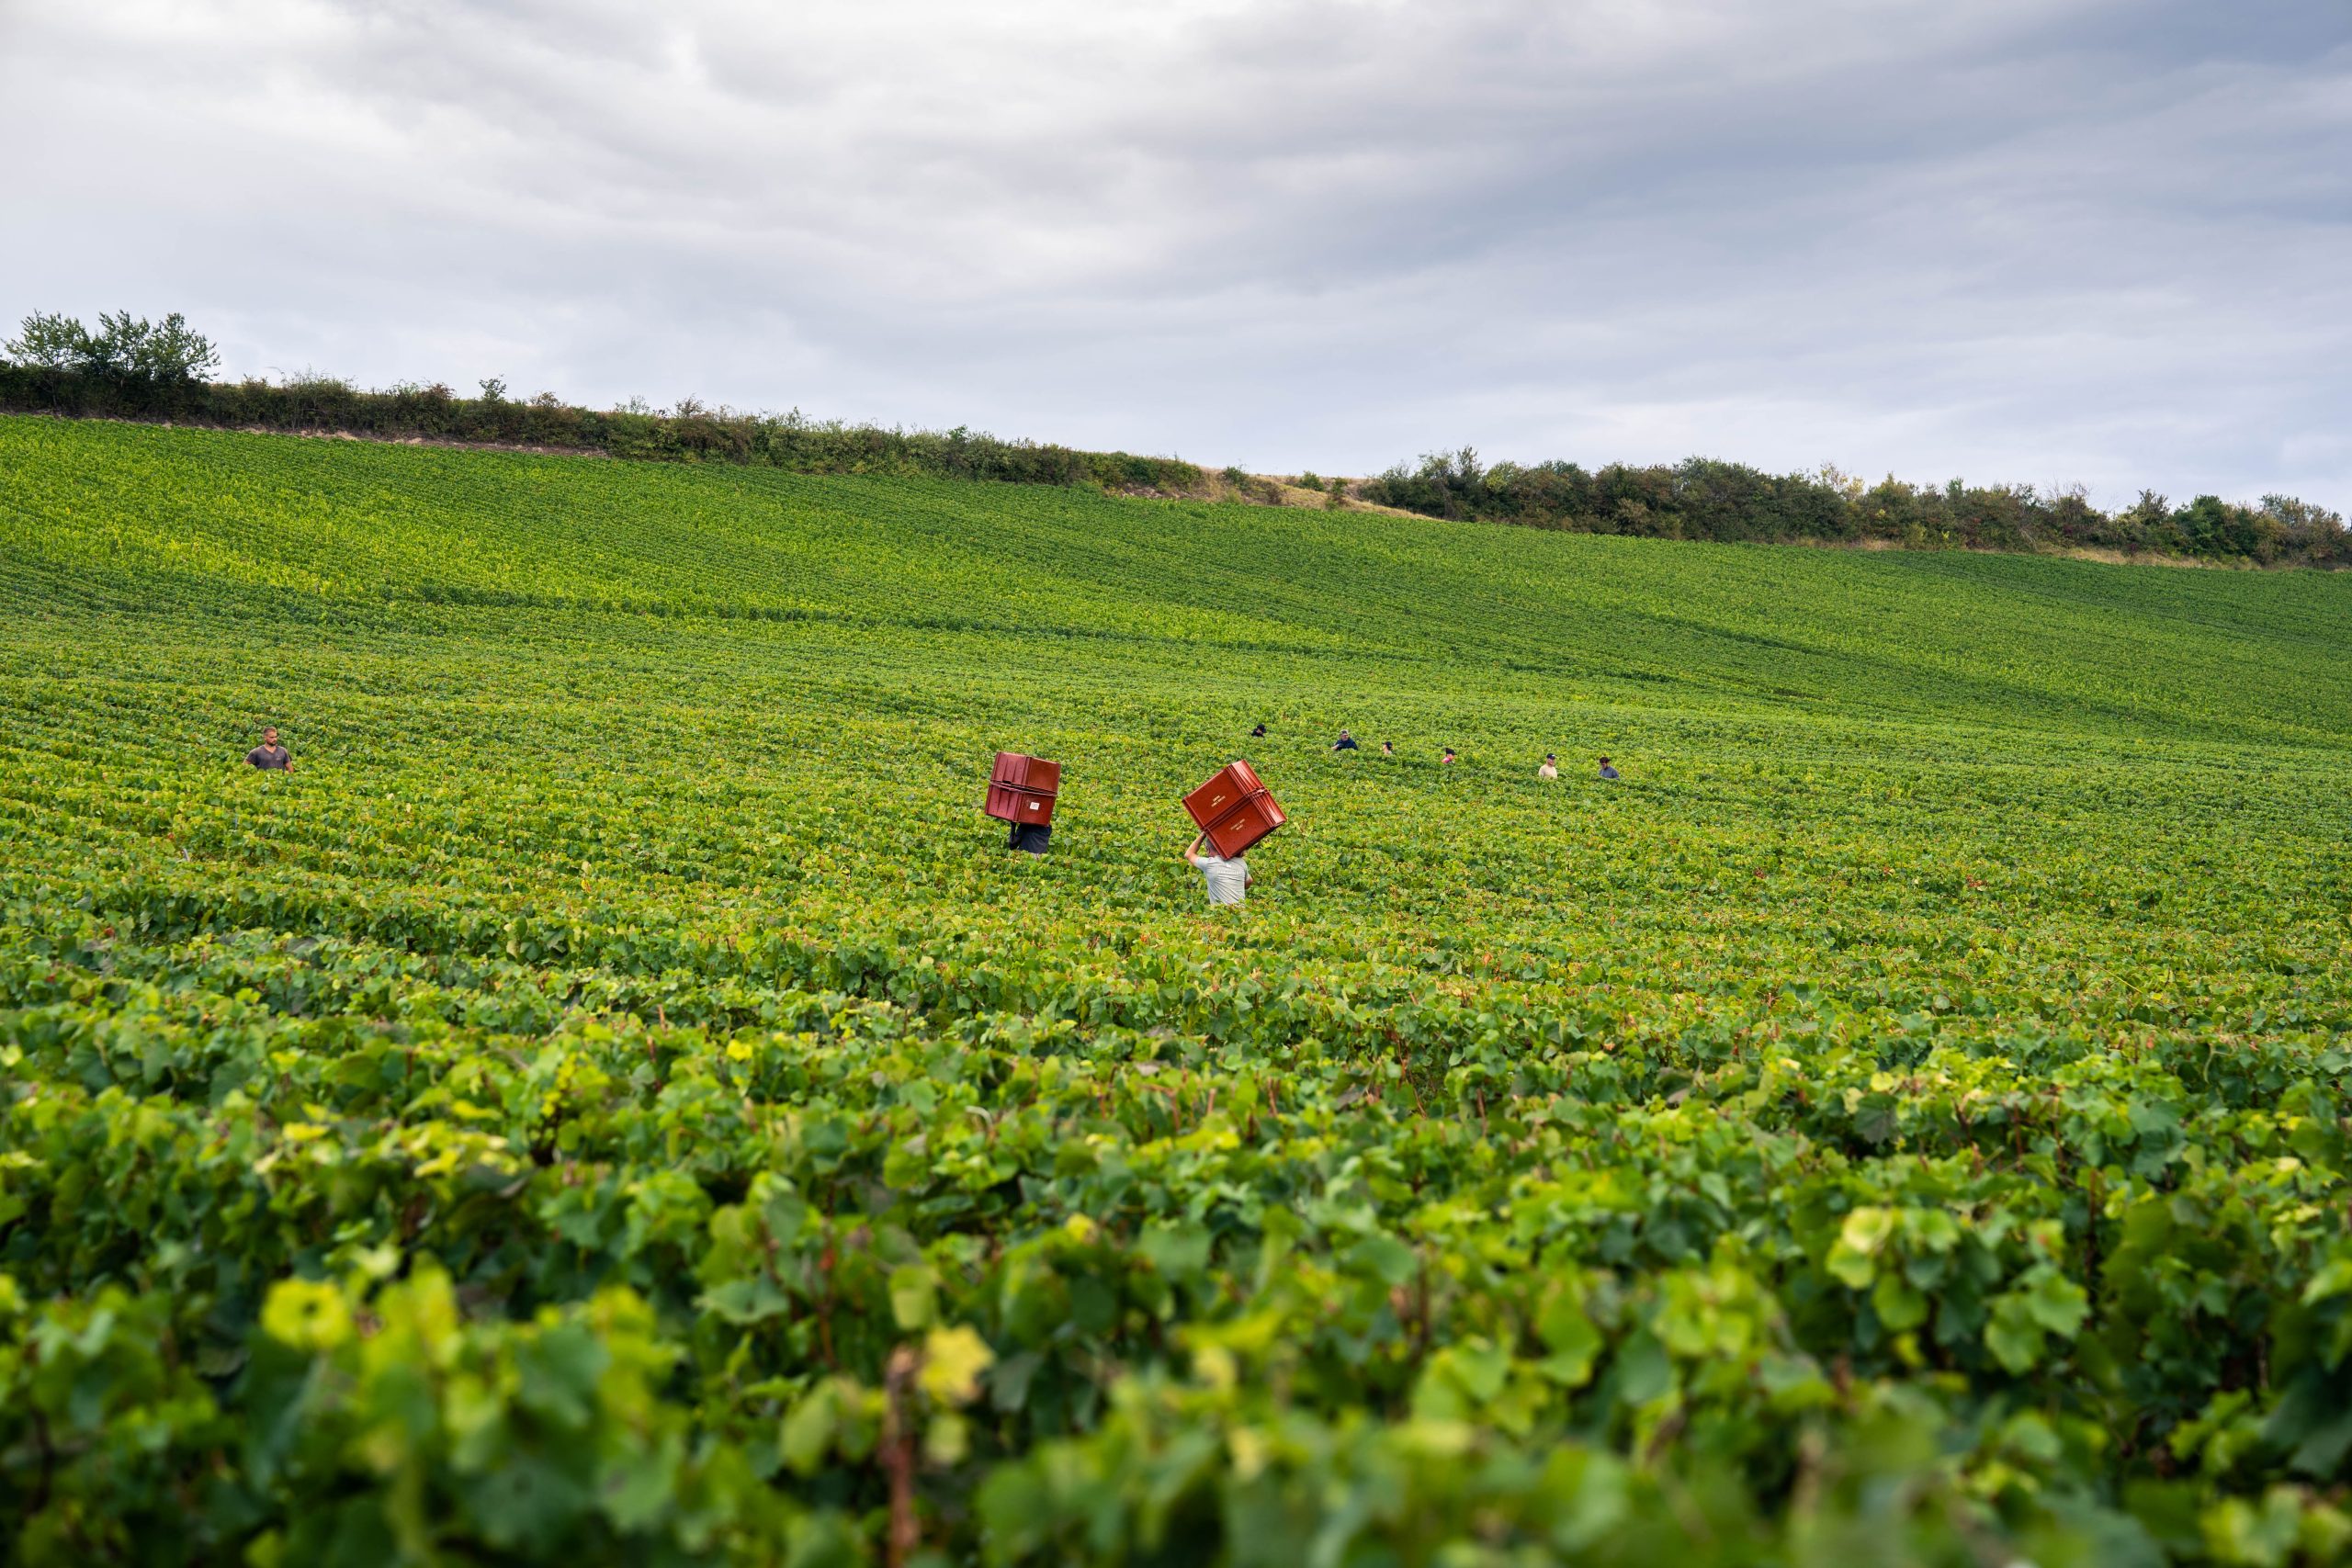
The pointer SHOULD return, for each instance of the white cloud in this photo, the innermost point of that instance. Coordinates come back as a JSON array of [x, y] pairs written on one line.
[[2046, 242]]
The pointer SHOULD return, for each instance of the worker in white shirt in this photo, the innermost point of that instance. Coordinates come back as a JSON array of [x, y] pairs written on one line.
[[1228, 880]]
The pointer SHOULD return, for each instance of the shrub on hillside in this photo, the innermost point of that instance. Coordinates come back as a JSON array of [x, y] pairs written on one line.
[[1705, 498]]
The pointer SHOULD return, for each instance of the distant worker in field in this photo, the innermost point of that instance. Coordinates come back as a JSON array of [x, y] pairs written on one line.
[[1550, 768], [1228, 879], [1446, 761], [269, 755], [1346, 742], [1259, 733], [1606, 771]]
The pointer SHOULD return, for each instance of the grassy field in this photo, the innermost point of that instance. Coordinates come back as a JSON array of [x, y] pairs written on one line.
[[617, 1100]]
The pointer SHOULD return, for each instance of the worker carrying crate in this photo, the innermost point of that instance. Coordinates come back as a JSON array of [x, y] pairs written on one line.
[[1022, 792]]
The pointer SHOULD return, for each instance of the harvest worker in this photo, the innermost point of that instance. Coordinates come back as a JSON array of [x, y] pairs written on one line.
[[1606, 771], [1388, 748], [1346, 742], [1446, 761], [1550, 768], [270, 754], [1228, 879], [1259, 733]]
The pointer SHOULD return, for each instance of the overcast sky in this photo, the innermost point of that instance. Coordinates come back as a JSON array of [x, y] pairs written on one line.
[[2044, 241]]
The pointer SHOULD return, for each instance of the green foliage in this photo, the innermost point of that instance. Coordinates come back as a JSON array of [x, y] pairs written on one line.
[[49, 342], [130, 355], [618, 1100], [1702, 498]]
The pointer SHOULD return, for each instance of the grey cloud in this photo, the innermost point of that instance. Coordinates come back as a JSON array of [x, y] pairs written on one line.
[[2085, 240]]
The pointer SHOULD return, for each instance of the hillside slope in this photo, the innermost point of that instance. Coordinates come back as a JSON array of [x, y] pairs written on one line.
[[620, 1070], [130, 515]]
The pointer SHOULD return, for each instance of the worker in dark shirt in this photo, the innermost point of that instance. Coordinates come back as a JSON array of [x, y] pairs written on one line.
[[1606, 771], [1346, 742], [270, 754], [1259, 733]]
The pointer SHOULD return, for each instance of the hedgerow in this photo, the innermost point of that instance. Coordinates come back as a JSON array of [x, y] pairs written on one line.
[[689, 433]]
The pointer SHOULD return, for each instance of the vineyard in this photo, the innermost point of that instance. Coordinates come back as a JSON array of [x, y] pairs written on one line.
[[616, 1101]]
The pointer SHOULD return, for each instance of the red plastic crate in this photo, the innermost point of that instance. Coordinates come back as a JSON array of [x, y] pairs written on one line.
[[1235, 810], [1033, 774], [1233, 783], [1021, 789], [1008, 804], [1237, 831]]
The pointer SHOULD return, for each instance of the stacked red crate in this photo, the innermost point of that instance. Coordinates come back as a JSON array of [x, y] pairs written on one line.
[[1021, 789], [1235, 810]]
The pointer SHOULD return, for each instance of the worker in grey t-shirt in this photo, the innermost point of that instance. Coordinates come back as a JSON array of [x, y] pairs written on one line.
[[1228, 879], [269, 755]]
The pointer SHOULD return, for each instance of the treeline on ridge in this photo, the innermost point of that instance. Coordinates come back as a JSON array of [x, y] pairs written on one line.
[[1704, 497], [131, 368], [135, 370]]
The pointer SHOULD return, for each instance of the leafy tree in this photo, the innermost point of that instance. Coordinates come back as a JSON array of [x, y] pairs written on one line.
[[2146, 523], [2205, 522], [2307, 529], [125, 348], [49, 342], [2074, 518], [131, 348]]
